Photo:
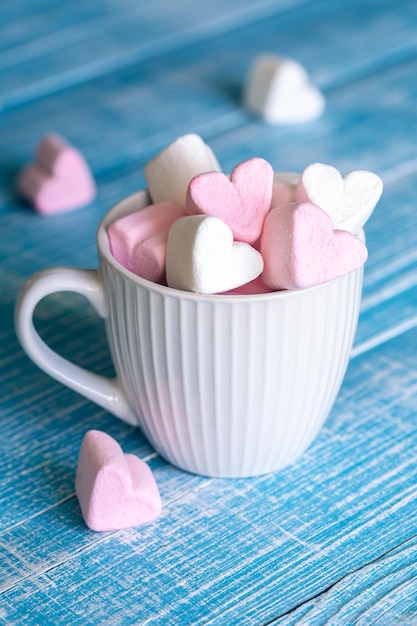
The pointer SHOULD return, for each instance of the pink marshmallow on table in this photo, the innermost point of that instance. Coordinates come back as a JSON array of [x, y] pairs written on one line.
[[301, 249], [59, 179], [129, 235], [57, 157], [241, 201], [115, 490]]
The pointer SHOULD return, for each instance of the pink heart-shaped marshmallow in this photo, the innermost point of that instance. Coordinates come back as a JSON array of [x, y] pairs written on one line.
[[59, 179], [115, 490], [301, 249], [241, 201], [138, 240]]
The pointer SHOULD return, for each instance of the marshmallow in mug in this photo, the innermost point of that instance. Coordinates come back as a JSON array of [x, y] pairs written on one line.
[[202, 256], [138, 241], [300, 248], [349, 201], [169, 173], [241, 201]]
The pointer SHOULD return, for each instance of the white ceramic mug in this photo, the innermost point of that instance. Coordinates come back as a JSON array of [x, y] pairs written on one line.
[[227, 386]]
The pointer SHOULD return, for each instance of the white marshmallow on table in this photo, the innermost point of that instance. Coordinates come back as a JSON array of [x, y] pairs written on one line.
[[169, 173], [279, 90], [349, 201], [202, 257]]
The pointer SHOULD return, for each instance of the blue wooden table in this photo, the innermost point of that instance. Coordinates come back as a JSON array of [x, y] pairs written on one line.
[[331, 539]]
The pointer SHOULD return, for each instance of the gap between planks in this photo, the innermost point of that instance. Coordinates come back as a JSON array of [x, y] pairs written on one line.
[[389, 553]]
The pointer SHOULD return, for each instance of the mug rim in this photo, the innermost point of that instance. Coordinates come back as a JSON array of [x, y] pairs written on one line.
[[124, 207]]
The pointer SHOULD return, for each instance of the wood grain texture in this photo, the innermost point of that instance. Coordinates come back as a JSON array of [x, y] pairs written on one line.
[[388, 598], [224, 549], [104, 38], [198, 87], [329, 540]]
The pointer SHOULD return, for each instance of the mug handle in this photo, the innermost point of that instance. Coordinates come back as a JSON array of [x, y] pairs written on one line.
[[104, 391]]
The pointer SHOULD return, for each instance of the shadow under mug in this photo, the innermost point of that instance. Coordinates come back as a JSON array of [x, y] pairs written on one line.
[[222, 385]]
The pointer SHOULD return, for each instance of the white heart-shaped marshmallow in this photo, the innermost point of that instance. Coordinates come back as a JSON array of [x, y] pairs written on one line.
[[349, 201], [280, 91], [202, 257], [169, 173]]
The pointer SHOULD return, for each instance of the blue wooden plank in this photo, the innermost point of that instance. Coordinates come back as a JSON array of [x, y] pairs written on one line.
[[30, 23], [27, 550], [317, 139], [389, 304], [388, 318], [115, 130], [383, 592], [139, 31], [33, 28], [196, 71], [13, 567], [115, 38], [359, 130], [311, 523]]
